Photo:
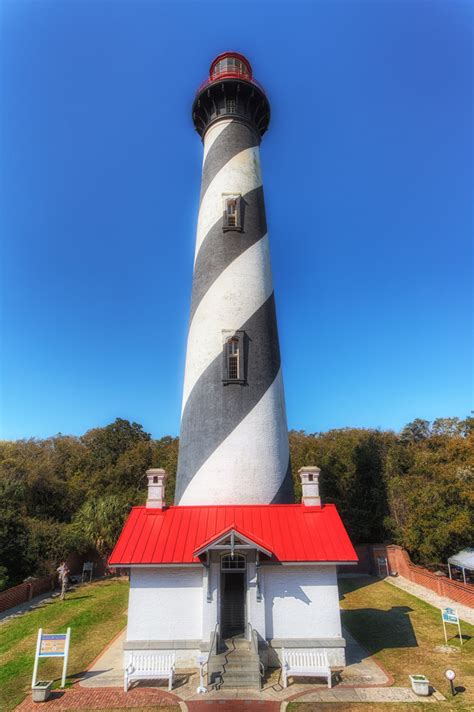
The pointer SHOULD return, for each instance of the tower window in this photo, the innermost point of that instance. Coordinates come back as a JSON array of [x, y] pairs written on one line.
[[233, 366], [232, 213], [233, 346], [231, 106]]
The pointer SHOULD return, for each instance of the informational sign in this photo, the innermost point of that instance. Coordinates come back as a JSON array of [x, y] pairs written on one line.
[[52, 645], [449, 615]]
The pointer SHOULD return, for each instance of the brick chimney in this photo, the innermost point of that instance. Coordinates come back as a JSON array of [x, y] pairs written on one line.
[[156, 488], [309, 477]]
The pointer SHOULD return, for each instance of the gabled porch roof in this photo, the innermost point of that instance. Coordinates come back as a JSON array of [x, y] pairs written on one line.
[[217, 541]]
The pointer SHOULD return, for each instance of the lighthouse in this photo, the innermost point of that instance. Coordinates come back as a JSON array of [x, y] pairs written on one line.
[[234, 573], [234, 438]]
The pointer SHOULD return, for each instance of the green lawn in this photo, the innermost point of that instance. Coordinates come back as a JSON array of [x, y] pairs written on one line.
[[399, 630], [95, 613], [402, 633]]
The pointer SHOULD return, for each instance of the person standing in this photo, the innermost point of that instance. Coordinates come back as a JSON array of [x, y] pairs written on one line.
[[63, 573]]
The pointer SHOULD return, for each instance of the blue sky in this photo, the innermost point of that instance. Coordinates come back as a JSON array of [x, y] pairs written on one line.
[[368, 180]]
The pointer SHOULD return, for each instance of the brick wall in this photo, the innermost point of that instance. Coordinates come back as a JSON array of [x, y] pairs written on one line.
[[25, 592], [399, 562]]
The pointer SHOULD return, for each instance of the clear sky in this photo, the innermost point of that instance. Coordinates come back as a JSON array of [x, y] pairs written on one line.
[[368, 177]]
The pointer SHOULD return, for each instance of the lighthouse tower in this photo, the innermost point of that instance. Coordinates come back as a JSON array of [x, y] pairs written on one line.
[[234, 565], [234, 439]]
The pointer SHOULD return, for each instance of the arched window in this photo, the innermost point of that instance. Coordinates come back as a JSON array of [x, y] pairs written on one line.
[[233, 366], [233, 563]]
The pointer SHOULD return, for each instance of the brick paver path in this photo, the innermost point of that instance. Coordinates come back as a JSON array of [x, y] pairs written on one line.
[[100, 698], [233, 706]]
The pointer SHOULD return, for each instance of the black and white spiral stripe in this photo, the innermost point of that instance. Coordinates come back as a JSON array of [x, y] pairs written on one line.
[[234, 440]]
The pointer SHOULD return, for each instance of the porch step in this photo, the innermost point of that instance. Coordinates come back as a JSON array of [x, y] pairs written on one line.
[[236, 667]]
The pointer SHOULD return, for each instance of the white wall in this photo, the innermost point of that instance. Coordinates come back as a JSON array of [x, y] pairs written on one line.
[[165, 604], [301, 602]]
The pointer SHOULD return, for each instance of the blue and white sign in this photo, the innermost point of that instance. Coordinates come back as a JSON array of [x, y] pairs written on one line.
[[449, 615], [52, 645]]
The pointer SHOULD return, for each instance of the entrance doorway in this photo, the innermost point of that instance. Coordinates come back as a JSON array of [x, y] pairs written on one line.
[[233, 587]]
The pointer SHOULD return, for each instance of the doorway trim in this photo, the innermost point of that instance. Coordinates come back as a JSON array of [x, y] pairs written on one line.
[[226, 569]]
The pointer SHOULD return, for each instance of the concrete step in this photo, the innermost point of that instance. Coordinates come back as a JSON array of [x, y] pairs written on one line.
[[235, 655], [246, 681]]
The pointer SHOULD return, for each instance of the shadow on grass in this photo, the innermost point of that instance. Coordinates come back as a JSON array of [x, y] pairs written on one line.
[[378, 630], [348, 585]]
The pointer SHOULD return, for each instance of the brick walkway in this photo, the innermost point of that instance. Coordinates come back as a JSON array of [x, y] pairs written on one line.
[[110, 698], [233, 706]]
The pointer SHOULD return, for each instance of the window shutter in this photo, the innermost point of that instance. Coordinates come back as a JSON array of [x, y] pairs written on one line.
[[225, 361], [238, 223]]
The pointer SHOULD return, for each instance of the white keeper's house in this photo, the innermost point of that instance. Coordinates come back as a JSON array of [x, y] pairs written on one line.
[[234, 559]]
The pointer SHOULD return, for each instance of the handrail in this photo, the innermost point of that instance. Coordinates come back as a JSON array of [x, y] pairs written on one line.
[[213, 643], [214, 639], [254, 644]]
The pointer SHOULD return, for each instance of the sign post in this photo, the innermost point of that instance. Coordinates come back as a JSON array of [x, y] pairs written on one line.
[[449, 615], [202, 660], [55, 645]]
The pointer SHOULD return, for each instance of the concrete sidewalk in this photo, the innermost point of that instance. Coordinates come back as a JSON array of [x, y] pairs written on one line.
[[464, 612], [35, 602], [361, 669]]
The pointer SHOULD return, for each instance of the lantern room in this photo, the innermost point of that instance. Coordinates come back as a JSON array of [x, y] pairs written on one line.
[[231, 91], [230, 64]]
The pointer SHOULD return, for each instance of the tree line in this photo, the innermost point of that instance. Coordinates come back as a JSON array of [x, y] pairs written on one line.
[[65, 493]]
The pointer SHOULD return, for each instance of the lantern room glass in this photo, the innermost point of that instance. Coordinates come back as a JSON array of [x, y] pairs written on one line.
[[230, 65]]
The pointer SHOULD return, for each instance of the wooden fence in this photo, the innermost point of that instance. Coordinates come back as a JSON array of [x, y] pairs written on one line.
[[25, 591]]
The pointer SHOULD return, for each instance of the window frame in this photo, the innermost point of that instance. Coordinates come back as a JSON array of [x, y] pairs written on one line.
[[226, 199], [236, 569], [229, 338]]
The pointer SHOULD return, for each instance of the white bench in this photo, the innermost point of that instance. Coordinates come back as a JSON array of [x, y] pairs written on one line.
[[311, 663], [152, 666]]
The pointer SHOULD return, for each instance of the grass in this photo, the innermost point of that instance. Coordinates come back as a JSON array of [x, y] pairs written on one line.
[[404, 634], [95, 613], [360, 706]]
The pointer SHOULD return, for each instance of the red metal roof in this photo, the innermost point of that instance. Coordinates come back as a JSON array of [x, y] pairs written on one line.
[[292, 532]]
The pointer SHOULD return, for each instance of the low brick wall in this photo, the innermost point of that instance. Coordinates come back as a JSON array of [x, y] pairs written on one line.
[[25, 592], [399, 562]]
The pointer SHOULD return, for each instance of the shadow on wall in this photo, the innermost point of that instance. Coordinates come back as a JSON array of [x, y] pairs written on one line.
[[292, 590], [378, 630]]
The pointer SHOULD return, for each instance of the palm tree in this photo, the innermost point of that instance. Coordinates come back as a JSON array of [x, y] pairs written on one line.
[[101, 520]]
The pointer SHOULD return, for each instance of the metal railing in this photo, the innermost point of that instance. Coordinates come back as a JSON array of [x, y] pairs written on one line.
[[253, 638], [214, 640], [230, 75], [212, 649]]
